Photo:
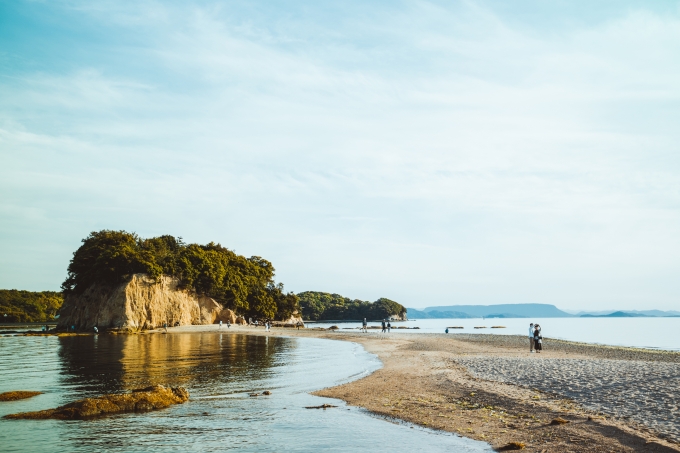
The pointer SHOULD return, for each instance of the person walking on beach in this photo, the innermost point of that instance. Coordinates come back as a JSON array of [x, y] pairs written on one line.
[[228, 324], [383, 326], [220, 324], [389, 326], [531, 337], [364, 326]]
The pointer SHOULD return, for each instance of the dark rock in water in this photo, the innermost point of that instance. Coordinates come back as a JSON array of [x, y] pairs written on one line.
[[266, 392], [323, 406], [18, 395], [142, 400]]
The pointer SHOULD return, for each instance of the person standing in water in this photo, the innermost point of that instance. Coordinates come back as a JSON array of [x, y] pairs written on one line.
[[364, 326], [383, 326], [531, 337], [389, 326], [220, 324]]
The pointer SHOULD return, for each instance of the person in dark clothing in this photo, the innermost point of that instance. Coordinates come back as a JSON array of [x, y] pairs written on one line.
[[383, 326], [538, 339]]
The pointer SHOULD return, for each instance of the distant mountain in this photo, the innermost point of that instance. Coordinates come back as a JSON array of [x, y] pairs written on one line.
[[489, 311], [629, 314], [526, 311], [412, 313], [655, 312], [623, 314]]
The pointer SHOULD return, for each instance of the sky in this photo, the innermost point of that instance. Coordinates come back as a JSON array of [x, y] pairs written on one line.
[[435, 153]]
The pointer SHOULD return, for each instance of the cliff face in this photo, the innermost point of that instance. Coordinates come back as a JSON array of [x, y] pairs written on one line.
[[141, 303]]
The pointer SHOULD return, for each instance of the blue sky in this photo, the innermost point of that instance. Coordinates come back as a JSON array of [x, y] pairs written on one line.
[[431, 152]]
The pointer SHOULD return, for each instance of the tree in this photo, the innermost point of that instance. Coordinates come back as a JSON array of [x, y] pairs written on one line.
[[246, 285], [317, 306]]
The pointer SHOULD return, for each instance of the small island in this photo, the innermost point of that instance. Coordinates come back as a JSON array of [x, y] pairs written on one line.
[[118, 281], [319, 306]]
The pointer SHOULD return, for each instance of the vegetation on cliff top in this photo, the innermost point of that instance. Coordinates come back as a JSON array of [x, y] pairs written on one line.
[[318, 306], [29, 306], [245, 285]]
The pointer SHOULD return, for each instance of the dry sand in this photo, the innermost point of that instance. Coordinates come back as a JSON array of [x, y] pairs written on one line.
[[489, 388]]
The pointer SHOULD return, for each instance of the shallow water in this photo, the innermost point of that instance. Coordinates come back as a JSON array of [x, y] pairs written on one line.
[[219, 370], [651, 333]]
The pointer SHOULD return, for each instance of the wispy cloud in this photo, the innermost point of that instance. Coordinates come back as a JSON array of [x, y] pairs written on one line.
[[429, 152]]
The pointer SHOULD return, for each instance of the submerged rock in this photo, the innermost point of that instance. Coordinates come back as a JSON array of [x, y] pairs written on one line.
[[142, 400], [18, 395]]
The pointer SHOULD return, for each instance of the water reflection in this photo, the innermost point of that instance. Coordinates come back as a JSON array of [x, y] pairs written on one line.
[[94, 365], [218, 369]]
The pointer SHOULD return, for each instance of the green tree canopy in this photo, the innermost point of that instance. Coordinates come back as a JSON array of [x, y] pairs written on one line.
[[29, 306], [245, 285], [318, 306]]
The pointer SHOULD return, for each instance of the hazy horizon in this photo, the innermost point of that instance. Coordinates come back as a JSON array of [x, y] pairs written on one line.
[[435, 153]]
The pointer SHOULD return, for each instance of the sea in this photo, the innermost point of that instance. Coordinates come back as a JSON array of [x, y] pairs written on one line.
[[648, 333], [220, 371]]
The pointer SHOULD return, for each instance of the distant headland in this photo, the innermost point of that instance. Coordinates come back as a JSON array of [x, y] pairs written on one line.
[[524, 311]]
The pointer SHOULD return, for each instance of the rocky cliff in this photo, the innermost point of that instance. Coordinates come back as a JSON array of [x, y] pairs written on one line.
[[139, 304]]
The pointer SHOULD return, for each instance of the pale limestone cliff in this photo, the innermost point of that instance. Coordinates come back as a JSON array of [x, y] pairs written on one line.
[[141, 303], [294, 321]]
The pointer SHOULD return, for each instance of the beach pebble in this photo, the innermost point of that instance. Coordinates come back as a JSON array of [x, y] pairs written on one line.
[[642, 391]]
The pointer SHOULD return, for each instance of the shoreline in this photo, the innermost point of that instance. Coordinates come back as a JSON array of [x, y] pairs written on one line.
[[476, 385], [425, 381]]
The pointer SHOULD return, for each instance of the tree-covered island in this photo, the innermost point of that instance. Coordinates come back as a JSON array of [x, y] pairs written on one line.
[[29, 306], [319, 306], [244, 285]]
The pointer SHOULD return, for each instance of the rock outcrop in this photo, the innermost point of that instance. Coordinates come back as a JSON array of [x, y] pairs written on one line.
[[18, 395], [142, 400], [294, 321], [139, 304]]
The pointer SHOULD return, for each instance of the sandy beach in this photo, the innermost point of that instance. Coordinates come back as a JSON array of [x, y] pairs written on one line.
[[490, 388]]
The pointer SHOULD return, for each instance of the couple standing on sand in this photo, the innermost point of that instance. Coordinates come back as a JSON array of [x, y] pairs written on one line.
[[535, 338]]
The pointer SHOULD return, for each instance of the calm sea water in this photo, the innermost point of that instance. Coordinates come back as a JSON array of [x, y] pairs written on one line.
[[653, 333], [219, 370]]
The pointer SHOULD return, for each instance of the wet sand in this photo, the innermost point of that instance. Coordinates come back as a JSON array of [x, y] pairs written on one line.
[[490, 388]]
